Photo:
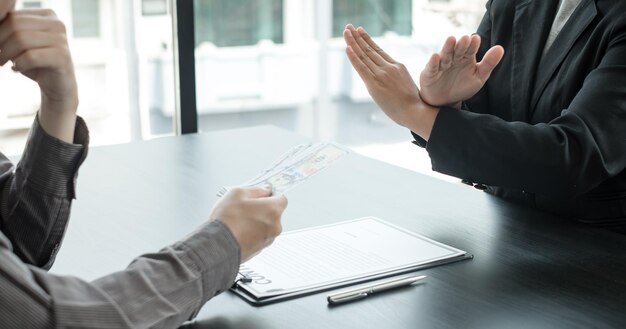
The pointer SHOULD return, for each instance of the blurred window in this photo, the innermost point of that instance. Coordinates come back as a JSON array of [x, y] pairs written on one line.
[[153, 7], [32, 4], [228, 23], [379, 16], [86, 18]]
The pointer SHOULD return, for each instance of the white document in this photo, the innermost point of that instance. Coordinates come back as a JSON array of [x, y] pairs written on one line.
[[336, 253]]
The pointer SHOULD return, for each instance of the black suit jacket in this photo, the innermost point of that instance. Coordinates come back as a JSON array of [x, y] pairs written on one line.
[[549, 132]]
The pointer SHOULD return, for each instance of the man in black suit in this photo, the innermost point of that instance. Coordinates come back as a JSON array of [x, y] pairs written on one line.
[[543, 124]]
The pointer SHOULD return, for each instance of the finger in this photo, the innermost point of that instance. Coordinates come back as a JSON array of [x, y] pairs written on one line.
[[5, 8], [368, 39], [447, 53], [348, 36], [41, 59], [472, 50], [269, 210], [35, 12], [368, 50], [351, 36], [432, 67], [282, 201], [364, 72], [491, 59], [20, 42], [461, 48], [254, 192], [14, 23], [277, 203]]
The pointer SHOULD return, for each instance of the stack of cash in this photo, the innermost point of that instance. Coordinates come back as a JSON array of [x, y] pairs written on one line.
[[295, 166]]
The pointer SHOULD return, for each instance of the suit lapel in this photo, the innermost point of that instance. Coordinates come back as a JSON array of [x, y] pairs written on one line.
[[575, 26], [531, 26]]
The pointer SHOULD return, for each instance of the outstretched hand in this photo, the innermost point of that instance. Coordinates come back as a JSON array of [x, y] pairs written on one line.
[[453, 75], [253, 216], [389, 83]]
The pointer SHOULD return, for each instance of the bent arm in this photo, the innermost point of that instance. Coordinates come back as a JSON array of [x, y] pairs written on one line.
[[568, 156], [36, 196], [159, 290]]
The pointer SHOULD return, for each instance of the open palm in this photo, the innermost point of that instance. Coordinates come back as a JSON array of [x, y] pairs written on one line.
[[453, 75]]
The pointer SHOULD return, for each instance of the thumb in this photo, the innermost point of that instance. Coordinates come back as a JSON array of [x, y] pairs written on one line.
[[491, 59], [258, 192], [280, 200]]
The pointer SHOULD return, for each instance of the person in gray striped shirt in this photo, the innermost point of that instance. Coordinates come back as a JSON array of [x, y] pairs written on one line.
[[159, 290]]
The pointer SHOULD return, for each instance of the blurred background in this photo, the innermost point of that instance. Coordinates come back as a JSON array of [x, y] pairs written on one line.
[[258, 62]]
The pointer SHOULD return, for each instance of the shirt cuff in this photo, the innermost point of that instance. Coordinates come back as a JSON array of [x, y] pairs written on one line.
[[419, 141], [213, 251], [447, 152], [51, 165]]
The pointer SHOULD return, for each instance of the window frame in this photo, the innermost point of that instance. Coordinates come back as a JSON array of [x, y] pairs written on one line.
[[186, 114]]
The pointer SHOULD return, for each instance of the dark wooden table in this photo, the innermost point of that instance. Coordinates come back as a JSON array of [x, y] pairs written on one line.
[[531, 269]]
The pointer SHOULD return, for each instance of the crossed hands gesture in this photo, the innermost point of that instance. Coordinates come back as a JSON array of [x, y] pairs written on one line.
[[450, 77]]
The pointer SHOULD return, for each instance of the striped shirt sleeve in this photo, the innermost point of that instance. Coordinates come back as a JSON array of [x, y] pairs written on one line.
[[36, 196], [158, 290]]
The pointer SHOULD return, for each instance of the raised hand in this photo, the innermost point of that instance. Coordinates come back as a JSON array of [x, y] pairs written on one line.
[[389, 83], [35, 41], [253, 216], [453, 75]]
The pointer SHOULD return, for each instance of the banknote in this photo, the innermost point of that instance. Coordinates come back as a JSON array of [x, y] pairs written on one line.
[[295, 167]]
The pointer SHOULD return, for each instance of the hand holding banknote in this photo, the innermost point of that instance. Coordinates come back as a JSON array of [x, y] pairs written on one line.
[[253, 216]]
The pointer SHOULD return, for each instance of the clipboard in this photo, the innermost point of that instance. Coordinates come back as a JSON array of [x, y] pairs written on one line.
[[252, 293], [254, 301]]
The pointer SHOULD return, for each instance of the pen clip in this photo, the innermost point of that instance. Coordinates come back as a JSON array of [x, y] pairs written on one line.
[[241, 278], [347, 298]]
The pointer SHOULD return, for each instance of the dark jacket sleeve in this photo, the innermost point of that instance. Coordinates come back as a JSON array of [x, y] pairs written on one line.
[[580, 148], [567, 156], [35, 198]]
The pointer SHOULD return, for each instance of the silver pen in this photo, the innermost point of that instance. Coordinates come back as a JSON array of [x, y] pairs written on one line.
[[359, 293]]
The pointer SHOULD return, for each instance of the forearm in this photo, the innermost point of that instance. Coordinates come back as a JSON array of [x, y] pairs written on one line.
[[36, 197], [58, 119], [576, 151], [169, 287], [561, 158], [421, 119], [160, 290]]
